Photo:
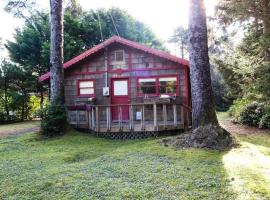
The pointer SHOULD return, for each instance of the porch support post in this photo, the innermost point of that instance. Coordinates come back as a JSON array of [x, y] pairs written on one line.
[[142, 118], [165, 115], [131, 122], [89, 119], [77, 119], [120, 118], [182, 115], [108, 118], [97, 119], [93, 118], [174, 115], [155, 116]]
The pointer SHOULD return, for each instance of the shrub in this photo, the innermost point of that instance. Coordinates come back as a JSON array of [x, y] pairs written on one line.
[[2, 118], [5, 119], [252, 114], [265, 120], [54, 121], [237, 107]]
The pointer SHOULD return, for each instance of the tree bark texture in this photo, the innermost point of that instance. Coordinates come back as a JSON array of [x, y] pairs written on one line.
[[266, 17], [266, 27], [56, 56], [182, 49], [6, 98], [203, 106]]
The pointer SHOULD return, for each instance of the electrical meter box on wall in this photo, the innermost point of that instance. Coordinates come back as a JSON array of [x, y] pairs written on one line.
[[106, 91]]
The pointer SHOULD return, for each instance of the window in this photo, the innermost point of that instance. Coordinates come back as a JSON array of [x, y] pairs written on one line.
[[120, 88], [86, 88], [167, 85], [158, 86], [118, 60], [147, 86], [119, 56]]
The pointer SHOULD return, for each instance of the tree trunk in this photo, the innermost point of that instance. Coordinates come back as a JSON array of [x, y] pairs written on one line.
[[203, 107], [266, 27], [23, 109], [41, 100], [182, 48], [266, 17], [206, 130], [56, 57], [6, 99]]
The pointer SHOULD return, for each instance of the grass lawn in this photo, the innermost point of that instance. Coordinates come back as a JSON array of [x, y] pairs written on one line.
[[79, 166]]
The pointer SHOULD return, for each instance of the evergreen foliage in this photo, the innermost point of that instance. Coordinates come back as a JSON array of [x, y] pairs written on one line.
[[16, 100], [54, 121], [246, 66], [252, 114]]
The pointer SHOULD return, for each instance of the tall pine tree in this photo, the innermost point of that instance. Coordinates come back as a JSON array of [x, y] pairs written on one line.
[[206, 130]]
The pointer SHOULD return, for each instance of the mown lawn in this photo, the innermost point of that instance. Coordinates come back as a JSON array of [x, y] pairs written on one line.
[[80, 166]]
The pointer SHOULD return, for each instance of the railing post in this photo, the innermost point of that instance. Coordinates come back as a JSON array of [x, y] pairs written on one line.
[[142, 118], [120, 118], [174, 115], [131, 122], [182, 115], [77, 118], [89, 119], [108, 118], [165, 115], [97, 119], [155, 116], [93, 118]]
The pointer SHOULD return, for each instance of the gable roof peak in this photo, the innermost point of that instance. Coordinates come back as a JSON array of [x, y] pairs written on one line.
[[123, 41]]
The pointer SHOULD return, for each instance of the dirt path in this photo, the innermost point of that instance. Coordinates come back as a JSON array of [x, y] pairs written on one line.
[[19, 128], [242, 129]]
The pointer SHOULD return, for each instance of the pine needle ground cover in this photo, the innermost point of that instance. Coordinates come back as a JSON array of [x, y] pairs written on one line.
[[80, 166]]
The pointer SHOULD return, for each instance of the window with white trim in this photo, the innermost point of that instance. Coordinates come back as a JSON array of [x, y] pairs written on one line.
[[86, 88], [118, 59], [158, 85], [119, 56], [147, 86], [167, 85]]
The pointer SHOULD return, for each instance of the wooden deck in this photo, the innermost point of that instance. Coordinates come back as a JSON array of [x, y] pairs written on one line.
[[153, 117]]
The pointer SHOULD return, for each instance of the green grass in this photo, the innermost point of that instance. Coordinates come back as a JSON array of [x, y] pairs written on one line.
[[17, 127], [80, 166], [223, 116]]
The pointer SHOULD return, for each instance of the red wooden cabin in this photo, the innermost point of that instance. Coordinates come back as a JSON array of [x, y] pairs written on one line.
[[124, 89]]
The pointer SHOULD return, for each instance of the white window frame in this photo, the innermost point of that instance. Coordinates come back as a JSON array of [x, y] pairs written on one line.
[[120, 62], [91, 88]]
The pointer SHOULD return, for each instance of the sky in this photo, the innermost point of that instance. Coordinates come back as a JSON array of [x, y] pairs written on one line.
[[162, 16]]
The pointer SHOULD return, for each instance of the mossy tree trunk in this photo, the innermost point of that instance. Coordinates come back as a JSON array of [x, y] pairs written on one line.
[[56, 57], [203, 107], [206, 130], [54, 118]]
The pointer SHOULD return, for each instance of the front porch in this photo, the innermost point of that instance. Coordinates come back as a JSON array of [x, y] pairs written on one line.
[[131, 121]]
